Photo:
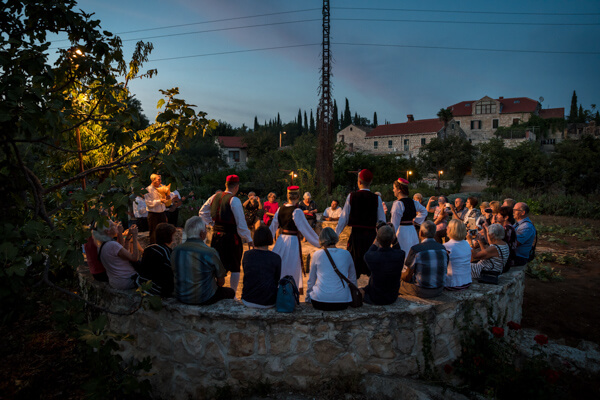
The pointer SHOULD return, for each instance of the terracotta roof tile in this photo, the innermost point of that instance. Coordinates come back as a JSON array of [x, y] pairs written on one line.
[[552, 113], [232, 142], [408, 128], [511, 105]]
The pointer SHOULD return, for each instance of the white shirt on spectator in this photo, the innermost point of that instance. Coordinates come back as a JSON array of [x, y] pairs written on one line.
[[333, 213], [153, 203], [139, 208], [459, 265]]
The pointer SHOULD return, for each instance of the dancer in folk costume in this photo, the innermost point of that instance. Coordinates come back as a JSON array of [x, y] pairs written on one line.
[[405, 213], [362, 211], [290, 218], [227, 213]]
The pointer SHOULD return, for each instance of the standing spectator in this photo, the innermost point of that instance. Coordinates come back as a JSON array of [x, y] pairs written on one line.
[[251, 207], [385, 264], [325, 289], [458, 209], [115, 257], [309, 207], [262, 271], [440, 216], [508, 202], [426, 266], [155, 205], [199, 273], [141, 214], [526, 234], [270, 206], [332, 213], [490, 258], [156, 262], [459, 251]]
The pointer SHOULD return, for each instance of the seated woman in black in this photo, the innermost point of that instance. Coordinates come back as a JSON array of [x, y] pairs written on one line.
[[156, 262], [262, 270]]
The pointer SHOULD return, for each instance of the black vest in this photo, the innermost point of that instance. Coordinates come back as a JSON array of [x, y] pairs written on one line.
[[220, 209], [410, 211], [286, 220], [363, 209]]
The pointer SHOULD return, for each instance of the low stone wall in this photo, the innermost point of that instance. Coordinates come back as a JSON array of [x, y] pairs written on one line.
[[194, 348]]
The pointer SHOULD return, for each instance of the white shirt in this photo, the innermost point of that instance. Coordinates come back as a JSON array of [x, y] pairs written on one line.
[[139, 208], [324, 284], [119, 271], [153, 203], [238, 215], [333, 213], [346, 214], [398, 212], [459, 265]]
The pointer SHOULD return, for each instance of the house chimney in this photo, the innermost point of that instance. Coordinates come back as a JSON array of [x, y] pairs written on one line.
[[410, 117]]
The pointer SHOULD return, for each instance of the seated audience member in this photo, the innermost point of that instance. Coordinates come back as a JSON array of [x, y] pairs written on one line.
[[199, 273], [309, 207], [385, 264], [333, 213], [156, 262], [326, 290], [526, 233], [459, 209], [495, 206], [270, 207], [262, 270], [472, 212], [426, 265], [440, 216], [505, 218], [115, 257], [459, 251], [418, 197], [490, 258], [141, 214], [508, 202], [486, 216]]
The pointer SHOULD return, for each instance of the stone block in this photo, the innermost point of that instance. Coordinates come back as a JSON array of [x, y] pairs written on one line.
[[262, 343], [302, 345], [382, 344], [344, 365], [303, 366], [240, 344], [213, 355], [326, 350], [246, 370], [280, 343], [360, 346], [405, 342]]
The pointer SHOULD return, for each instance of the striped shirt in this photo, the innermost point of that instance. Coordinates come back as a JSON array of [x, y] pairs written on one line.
[[429, 260], [196, 267]]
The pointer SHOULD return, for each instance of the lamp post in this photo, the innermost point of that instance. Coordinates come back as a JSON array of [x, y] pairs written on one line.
[[280, 133], [408, 173], [440, 173], [293, 175]]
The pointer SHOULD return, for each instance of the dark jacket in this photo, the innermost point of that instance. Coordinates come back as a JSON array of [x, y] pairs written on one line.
[[386, 268]]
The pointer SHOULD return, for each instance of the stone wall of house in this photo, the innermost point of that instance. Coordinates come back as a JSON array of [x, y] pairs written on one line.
[[354, 137], [194, 348], [487, 131], [415, 141]]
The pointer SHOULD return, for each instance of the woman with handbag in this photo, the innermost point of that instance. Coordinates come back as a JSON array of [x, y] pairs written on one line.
[[332, 275], [490, 259]]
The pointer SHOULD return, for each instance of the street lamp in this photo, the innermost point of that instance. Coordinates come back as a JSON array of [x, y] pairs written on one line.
[[440, 173], [293, 175], [280, 137], [408, 173]]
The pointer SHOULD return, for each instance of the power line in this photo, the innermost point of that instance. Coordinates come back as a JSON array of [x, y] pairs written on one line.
[[384, 45], [466, 22], [464, 12]]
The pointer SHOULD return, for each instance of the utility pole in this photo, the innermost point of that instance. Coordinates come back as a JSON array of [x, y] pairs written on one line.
[[325, 131]]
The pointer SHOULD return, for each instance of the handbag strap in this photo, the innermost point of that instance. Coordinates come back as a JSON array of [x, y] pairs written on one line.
[[342, 277]]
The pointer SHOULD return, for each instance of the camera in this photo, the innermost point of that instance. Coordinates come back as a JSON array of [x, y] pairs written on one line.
[[488, 210]]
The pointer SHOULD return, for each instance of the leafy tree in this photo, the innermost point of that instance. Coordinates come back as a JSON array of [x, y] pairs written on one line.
[[453, 155], [575, 165], [445, 116], [223, 129], [573, 112]]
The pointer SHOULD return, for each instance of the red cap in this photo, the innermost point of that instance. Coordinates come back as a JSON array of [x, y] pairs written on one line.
[[293, 188], [403, 181], [365, 175], [232, 179]]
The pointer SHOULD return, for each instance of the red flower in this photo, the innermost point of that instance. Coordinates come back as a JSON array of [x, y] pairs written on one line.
[[541, 339], [498, 332], [448, 368], [514, 326], [551, 375]]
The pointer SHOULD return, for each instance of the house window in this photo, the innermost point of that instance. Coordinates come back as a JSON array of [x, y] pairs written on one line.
[[375, 144], [389, 144], [516, 121], [342, 138], [234, 155], [452, 126], [423, 141], [405, 144], [494, 124], [475, 124], [485, 107], [458, 123], [350, 128]]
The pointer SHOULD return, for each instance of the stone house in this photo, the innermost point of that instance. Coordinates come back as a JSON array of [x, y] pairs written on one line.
[[354, 137], [234, 150], [480, 118]]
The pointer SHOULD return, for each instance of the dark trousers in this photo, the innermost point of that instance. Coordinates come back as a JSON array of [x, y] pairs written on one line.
[[222, 293], [173, 216], [318, 305], [153, 220], [520, 261]]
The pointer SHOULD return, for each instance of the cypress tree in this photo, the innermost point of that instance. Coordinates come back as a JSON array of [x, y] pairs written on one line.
[[580, 114], [334, 121], [356, 119], [573, 113], [312, 123], [347, 115], [278, 120], [305, 122], [256, 126], [299, 120], [375, 119]]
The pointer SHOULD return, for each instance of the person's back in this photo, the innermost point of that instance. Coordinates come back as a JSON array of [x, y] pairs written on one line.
[[156, 262], [385, 264], [526, 234]]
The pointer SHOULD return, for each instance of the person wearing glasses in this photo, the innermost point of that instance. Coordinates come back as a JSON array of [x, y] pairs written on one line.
[[526, 233]]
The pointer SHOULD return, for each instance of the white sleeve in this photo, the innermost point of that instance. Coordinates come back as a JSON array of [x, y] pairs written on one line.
[[240, 219], [397, 213], [344, 217], [204, 212], [380, 212], [312, 278], [351, 269], [326, 213], [275, 223], [421, 213], [304, 228]]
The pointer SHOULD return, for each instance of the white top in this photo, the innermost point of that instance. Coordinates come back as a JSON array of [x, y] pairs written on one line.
[[459, 266], [324, 284], [152, 198], [333, 213], [301, 223], [139, 208], [346, 214], [119, 271], [398, 212], [238, 215]]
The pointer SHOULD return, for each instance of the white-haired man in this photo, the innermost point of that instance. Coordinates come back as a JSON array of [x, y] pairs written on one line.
[[199, 273], [155, 205]]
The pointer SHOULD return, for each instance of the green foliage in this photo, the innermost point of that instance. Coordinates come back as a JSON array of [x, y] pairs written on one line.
[[454, 155], [545, 273], [542, 127], [548, 202]]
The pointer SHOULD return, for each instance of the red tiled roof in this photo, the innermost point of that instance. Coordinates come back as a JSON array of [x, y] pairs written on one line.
[[232, 142], [512, 105], [408, 128], [552, 113]]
